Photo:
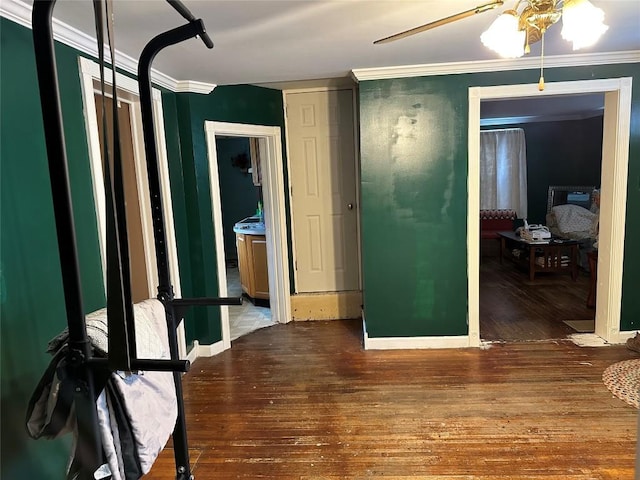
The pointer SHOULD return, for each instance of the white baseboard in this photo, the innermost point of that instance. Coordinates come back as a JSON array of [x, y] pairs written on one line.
[[401, 343], [621, 337], [193, 353], [204, 350]]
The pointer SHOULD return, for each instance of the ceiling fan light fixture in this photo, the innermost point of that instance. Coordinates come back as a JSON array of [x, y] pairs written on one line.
[[504, 36], [582, 23]]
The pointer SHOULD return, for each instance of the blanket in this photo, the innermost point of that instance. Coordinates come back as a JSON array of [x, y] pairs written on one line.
[[136, 411], [573, 222]]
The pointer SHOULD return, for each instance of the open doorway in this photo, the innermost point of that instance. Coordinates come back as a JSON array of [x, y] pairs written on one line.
[[275, 247], [616, 133], [145, 268], [244, 231], [541, 161]]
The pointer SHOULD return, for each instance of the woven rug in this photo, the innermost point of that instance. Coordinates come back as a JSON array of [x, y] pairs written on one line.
[[623, 380]]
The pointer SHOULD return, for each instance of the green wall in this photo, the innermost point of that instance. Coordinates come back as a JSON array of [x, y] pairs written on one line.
[[414, 137], [234, 104], [414, 150], [31, 297]]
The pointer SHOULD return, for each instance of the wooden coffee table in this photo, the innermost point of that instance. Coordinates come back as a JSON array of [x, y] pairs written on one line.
[[554, 256]]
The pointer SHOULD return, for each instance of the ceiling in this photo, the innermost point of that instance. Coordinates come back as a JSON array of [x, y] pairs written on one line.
[[263, 41], [302, 43]]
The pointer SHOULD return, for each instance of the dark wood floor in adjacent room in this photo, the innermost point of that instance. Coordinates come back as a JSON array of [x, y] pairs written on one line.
[[305, 401], [513, 308]]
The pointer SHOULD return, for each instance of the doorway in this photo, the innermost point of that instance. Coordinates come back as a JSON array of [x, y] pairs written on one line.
[[129, 95], [244, 233], [615, 150], [270, 147], [563, 142]]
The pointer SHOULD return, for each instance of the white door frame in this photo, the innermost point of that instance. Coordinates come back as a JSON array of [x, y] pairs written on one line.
[[274, 216], [90, 72], [615, 158]]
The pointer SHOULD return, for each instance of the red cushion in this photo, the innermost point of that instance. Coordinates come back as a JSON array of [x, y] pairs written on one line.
[[494, 221], [498, 214]]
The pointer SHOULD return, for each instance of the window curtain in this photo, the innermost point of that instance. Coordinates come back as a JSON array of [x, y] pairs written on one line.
[[503, 170]]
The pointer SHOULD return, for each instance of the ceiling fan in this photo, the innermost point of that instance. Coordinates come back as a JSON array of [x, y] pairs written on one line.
[[442, 21], [514, 30]]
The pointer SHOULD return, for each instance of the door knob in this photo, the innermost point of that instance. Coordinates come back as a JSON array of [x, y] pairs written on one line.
[[350, 206]]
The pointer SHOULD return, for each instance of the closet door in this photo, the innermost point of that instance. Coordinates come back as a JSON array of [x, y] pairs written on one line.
[[322, 164]]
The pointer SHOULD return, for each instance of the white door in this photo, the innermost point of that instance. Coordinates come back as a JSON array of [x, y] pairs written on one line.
[[322, 168]]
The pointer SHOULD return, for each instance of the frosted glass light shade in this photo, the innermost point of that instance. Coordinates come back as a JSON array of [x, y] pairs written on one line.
[[504, 36], [582, 23]]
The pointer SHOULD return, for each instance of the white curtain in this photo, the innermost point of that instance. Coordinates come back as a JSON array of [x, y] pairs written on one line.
[[503, 170]]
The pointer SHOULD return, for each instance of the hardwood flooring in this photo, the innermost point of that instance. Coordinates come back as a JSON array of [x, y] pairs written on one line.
[[305, 401], [513, 308]]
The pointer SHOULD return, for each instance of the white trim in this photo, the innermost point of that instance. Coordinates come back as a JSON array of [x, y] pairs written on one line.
[[20, 13], [89, 71], [401, 343], [218, 232], [403, 71], [274, 213], [193, 353], [194, 87], [621, 337], [204, 350], [473, 224], [613, 207], [615, 160]]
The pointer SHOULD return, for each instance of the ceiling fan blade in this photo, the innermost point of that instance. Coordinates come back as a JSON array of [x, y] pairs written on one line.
[[442, 21]]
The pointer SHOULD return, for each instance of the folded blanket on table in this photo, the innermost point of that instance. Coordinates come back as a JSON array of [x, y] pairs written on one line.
[[136, 411]]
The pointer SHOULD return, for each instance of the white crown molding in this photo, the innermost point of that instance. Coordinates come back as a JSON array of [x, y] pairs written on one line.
[[20, 12], [194, 87], [362, 74]]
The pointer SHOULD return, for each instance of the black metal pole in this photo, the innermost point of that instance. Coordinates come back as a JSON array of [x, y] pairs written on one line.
[[89, 454], [171, 37], [165, 289], [187, 15]]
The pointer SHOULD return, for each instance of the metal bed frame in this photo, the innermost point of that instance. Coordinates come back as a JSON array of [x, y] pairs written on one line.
[[89, 370]]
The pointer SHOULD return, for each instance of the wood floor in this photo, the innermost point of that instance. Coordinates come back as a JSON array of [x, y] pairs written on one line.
[[305, 401], [513, 308]]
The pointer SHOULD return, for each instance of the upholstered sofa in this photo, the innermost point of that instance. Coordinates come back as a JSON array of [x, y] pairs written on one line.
[[492, 222]]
